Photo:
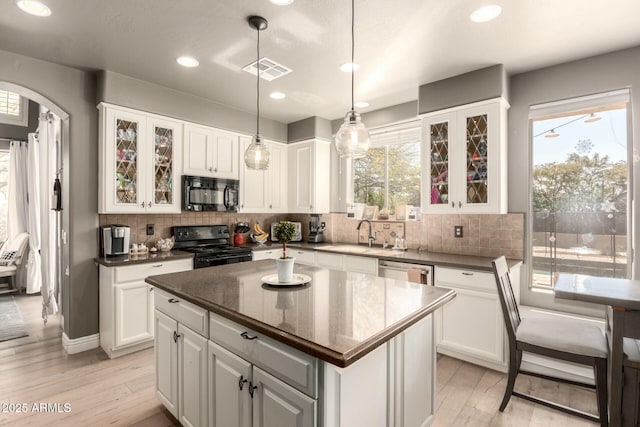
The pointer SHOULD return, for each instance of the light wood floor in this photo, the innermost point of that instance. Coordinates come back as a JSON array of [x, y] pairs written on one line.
[[119, 392]]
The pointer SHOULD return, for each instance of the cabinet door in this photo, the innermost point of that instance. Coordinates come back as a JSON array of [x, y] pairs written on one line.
[[278, 178], [301, 182], [124, 162], [472, 324], [166, 356], [278, 404], [133, 303], [192, 375], [198, 150], [229, 399], [437, 156], [270, 254], [225, 155], [254, 184], [164, 181]]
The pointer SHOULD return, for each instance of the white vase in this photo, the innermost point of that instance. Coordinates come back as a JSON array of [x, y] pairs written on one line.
[[285, 269]]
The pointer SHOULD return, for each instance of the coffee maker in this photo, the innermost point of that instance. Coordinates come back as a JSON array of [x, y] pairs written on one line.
[[114, 239], [316, 229]]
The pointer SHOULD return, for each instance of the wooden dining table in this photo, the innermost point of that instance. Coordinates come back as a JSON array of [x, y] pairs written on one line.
[[622, 298]]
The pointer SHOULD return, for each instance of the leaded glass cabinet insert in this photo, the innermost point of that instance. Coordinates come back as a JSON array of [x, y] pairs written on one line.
[[163, 165], [439, 133], [477, 156], [126, 159]]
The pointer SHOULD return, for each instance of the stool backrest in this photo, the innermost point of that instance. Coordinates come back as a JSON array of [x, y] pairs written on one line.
[[507, 299]]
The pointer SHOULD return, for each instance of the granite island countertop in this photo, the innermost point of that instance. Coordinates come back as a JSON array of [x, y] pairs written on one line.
[[338, 316], [411, 255]]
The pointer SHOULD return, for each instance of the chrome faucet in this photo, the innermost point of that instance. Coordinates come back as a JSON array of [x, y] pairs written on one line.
[[370, 237]]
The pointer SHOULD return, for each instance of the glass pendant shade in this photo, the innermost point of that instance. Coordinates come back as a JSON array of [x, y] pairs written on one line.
[[352, 139], [256, 156]]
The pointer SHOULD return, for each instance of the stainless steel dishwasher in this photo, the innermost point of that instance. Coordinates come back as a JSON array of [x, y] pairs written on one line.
[[399, 270]]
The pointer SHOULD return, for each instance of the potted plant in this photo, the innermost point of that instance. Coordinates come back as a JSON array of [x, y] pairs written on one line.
[[284, 232]]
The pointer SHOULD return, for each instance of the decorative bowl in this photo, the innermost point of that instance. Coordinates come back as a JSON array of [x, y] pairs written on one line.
[[166, 245], [261, 238]]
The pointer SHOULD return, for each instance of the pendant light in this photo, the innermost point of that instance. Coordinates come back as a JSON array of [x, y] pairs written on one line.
[[592, 118], [257, 155], [352, 139], [552, 134]]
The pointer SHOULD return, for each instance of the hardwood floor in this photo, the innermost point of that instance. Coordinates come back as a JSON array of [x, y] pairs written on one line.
[[120, 392]]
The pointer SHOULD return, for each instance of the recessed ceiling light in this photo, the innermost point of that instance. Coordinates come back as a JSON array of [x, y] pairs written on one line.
[[188, 61], [362, 104], [34, 7], [281, 2], [346, 68], [277, 95], [486, 13]]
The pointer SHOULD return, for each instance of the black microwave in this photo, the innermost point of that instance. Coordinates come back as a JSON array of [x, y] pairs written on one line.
[[209, 194]]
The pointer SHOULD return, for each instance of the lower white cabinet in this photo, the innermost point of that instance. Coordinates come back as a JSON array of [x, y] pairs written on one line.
[[126, 305], [306, 257], [471, 326], [269, 254], [181, 361], [241, 394]]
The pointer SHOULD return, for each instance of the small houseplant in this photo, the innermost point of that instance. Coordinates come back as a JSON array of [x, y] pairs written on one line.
[[284, 232]]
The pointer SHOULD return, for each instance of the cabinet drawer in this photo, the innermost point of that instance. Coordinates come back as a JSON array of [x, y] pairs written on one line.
[[470, 279], [140, 271], [332, 261], [303, 257], [183, 311], [270, 254], [290, 365], [361, 264]]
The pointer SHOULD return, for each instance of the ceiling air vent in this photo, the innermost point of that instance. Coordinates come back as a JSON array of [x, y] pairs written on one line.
[[269, 69]]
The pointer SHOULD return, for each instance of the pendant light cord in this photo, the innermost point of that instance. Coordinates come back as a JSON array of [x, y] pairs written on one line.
[[258, 86], [353, 8]]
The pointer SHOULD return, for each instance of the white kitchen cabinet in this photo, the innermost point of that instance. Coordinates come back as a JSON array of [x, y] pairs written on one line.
[[140, 162], [264, 191], [181, 359], [309, 180], [268, 254], [210, 152], [302, 256], [126, 304], [464, 159], [471, 326]]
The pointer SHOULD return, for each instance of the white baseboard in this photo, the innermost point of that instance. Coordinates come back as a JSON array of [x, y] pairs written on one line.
[[78, 345]]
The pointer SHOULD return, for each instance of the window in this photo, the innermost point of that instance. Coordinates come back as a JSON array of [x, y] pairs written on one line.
[[389, 175], [580, 178], [4, 187], [13, 109]]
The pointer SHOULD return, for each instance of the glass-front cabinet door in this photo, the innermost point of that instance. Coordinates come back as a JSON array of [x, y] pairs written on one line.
[[437, 156], [166, 136], [476, 149]]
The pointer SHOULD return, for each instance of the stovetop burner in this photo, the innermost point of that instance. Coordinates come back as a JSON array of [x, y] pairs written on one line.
[[209, 244]]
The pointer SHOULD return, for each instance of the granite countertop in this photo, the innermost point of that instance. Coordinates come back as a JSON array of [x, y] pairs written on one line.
[[117, 261], [410, 256], [338, 317]]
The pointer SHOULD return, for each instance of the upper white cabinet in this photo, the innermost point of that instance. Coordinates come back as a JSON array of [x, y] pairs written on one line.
[[139, 166], [264, 191], [464, 159], [309, 181], [210, 152]]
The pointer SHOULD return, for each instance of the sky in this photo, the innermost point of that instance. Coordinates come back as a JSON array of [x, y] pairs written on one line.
[[608, 136]]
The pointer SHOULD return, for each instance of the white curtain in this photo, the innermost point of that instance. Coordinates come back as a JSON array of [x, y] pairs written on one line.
[[17, 215], [49, 129], [34, 273]]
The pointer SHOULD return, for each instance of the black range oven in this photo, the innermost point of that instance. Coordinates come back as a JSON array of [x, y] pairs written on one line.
[[209, 244]]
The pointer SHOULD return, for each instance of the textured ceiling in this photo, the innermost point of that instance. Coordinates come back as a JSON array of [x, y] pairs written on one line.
[[400, 44]]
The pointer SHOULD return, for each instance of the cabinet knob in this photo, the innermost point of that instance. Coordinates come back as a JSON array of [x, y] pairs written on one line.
[[467, 274], [173, 301], [215, 170], [310, 206], [252, 388], [270, 207], [241, 382], [246, 336], [176, 336], [157, 265], [142, 204], [149, 204], [150, 288], [210, 169]]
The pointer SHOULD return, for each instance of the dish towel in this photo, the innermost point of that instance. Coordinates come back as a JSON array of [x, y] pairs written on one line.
[[415, 275]]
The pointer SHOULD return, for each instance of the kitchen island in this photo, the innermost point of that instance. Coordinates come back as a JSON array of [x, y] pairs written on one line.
[[346, 349]]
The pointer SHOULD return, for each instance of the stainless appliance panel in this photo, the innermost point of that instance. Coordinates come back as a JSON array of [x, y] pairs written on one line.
[[399, 270]]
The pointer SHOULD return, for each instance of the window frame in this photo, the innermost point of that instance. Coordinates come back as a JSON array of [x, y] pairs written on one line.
[[23, 118]]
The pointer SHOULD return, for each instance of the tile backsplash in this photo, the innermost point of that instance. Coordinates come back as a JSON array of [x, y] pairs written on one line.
[[486, 235]]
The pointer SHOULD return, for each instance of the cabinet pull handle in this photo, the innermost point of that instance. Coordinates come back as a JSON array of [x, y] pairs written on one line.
[[142, 204], [467, 274], [241, 382], [215, 170], [157, 265], [453, 204], [252, 388], [459, 204], [176, 336], [148, 204], [173, 301], [270, 207], [150, 288], [246, 336]]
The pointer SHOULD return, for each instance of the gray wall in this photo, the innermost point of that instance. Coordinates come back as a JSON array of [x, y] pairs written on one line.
[[311, 127], [602, 73], [127, 91], [384, 116], [73, 91], [20, 132], [479, 85]]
